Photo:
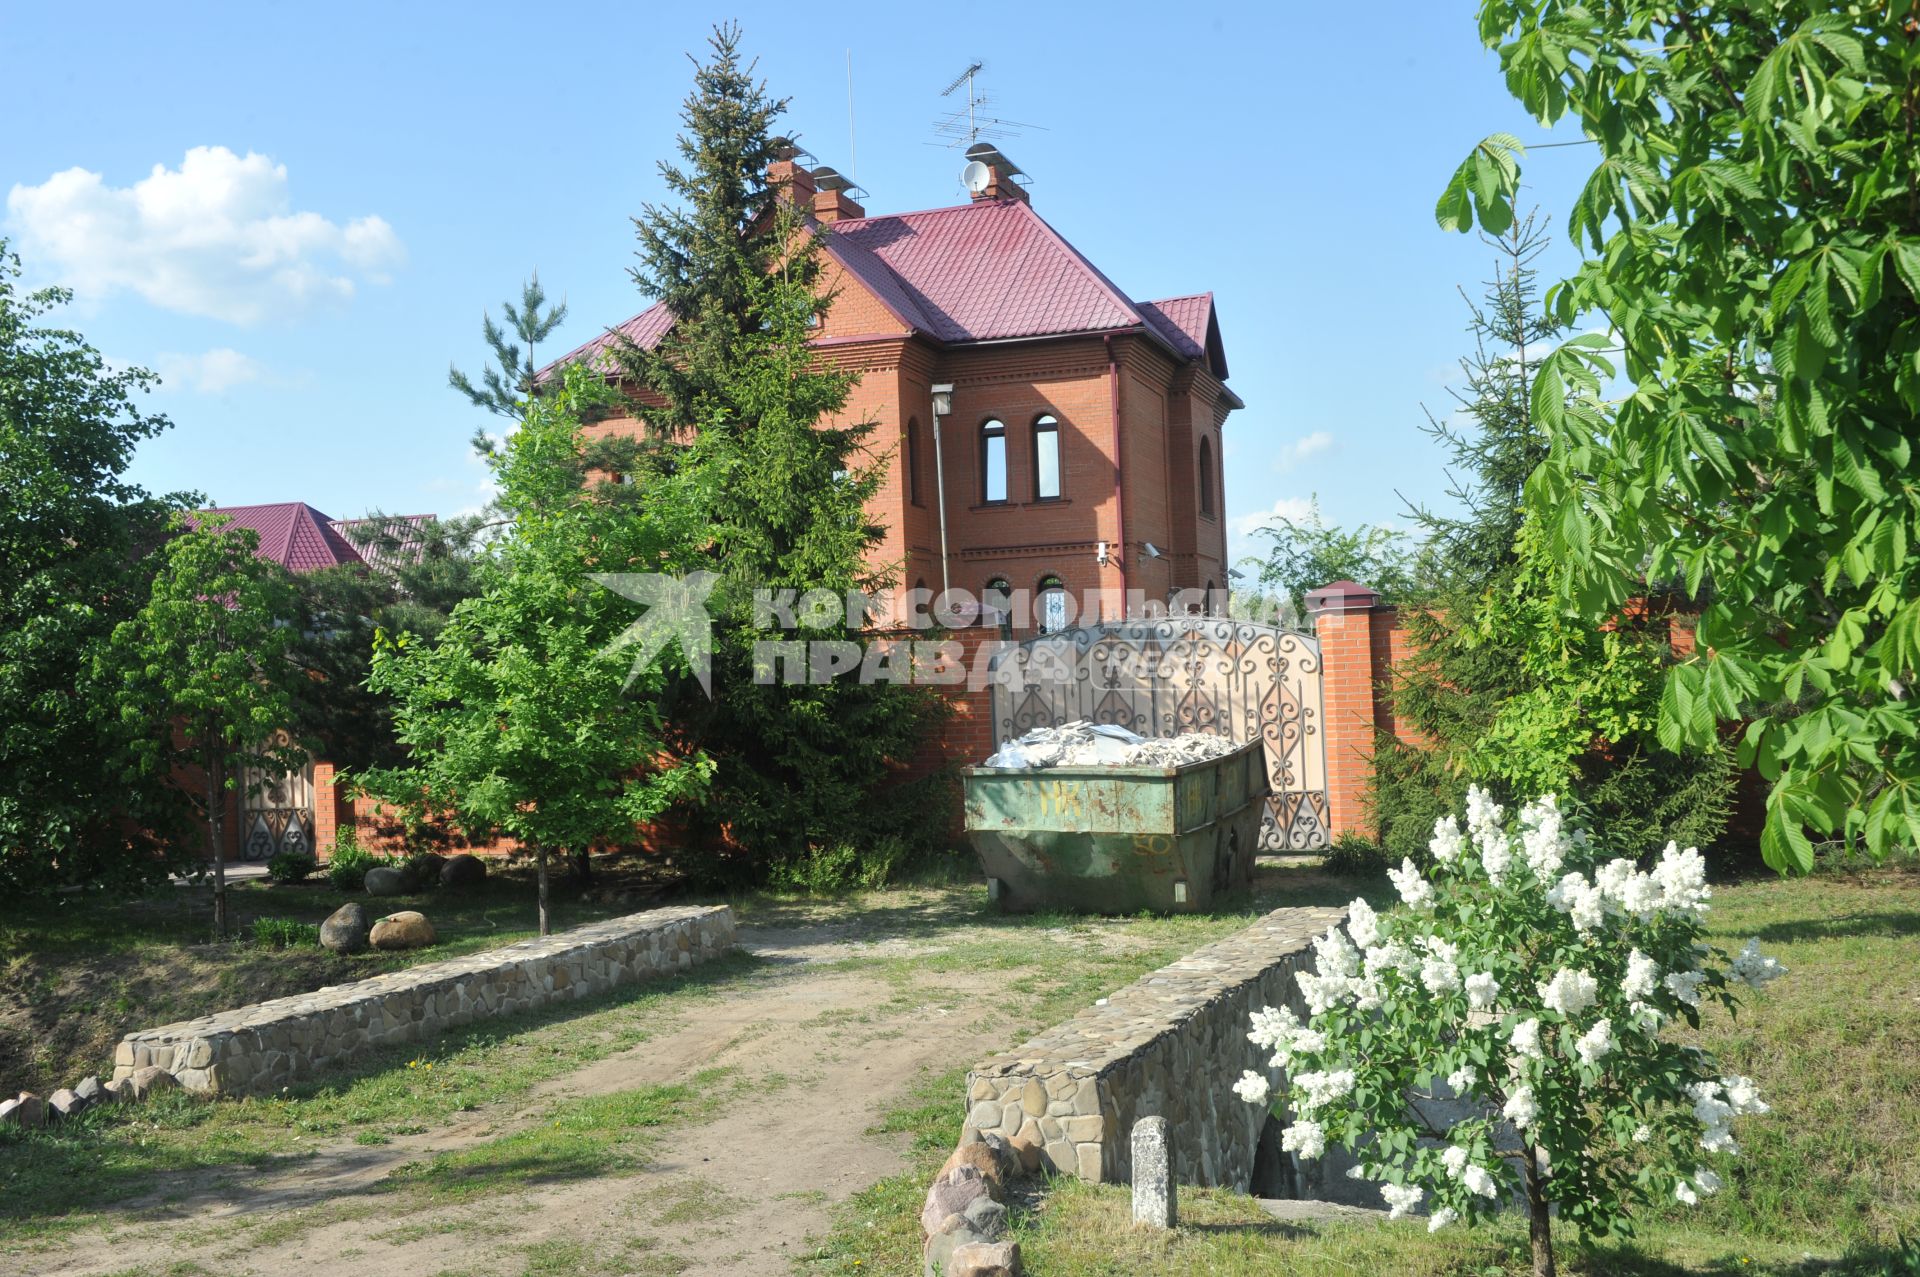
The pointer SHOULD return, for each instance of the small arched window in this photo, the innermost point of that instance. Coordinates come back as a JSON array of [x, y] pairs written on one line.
[[1053, 604], [1206, 476], [996, 605], [1046, 459], [913, 460], [993, 461]]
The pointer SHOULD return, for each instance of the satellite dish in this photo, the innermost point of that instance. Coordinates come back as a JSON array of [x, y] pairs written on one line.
[[976, 176]]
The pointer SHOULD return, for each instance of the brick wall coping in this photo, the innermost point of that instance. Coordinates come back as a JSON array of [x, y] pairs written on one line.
[[269, 1044]]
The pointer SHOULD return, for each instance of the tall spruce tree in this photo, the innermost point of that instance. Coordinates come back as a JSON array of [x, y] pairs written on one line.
[[1510, 689], [736, 383]]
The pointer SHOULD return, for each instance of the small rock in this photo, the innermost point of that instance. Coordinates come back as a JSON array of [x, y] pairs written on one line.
[[345, 930], [937, 1254], [7, 1108], [427, 866], [90, 1090], [388, 881], [987, 1219], [1027, 1145], [407, 929], [993, 1157], [985, 1259], [27, 1110], [952, 1192], [149, 1080], [464, 870], [118, 1091], [66, 1103]]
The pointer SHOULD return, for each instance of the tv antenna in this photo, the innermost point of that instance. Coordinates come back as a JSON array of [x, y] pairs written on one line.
[[964, 126]]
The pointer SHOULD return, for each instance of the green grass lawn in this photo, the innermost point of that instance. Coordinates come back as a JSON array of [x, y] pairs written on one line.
[[1829, 1181]]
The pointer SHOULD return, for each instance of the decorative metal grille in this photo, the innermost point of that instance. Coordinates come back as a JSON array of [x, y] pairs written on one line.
[[276, 811], [1172, 675]]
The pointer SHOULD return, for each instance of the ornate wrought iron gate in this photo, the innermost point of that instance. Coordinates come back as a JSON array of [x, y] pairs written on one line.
[[1172, 675], [276, 811]]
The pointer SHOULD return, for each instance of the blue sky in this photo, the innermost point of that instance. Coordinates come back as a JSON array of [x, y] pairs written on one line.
[[391, 171]]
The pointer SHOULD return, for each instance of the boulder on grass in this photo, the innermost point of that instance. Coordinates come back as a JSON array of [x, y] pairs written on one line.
[[65, 1103], [345, 930], [89, 1089], [426, 868], [117, 1091], [464, 870], [388, 880], [407, 929], [151, 1080], [27, 1110], [952, 1192], [996, 1160]]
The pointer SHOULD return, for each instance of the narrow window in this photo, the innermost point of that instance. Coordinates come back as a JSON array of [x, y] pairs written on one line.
[[1053, 604], [913, 460], [1206, 477], [1046, 459], [996, 606], [993, 461]]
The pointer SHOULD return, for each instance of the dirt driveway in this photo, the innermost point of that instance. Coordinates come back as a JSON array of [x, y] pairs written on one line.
[[798, 1058]]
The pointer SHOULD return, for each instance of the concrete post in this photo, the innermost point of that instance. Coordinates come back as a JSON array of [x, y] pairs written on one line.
[[1153, 1177]]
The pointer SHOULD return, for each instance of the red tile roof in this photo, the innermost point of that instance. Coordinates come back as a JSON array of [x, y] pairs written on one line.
[[292, 534], [396, 538], [992, 270]]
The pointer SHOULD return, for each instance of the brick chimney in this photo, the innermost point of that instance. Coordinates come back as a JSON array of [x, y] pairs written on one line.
[[789, 176], [833, 196], [1000, 174]]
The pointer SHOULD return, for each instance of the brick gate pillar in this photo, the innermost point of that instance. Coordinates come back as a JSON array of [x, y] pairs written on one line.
[[1346, 616]]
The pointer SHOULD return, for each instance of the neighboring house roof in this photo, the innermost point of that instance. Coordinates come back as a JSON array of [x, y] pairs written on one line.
[[993, 270], [292, 534], [400, 544]]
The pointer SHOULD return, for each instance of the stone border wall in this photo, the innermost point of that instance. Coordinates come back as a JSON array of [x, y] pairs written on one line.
[[1171, 1045], [270, 1044]]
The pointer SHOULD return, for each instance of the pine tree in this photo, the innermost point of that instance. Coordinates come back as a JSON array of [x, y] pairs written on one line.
[[510, 380], [1510, 690], [736, 383]]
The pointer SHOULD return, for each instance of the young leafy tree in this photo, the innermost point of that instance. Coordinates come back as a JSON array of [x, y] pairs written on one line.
[[519, 717], [1509, 689], [204, 672], [1307, 553], [783, 491], [74, 536], [1754, 230], [510, 379]]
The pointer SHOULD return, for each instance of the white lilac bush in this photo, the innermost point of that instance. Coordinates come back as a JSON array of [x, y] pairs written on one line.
[[1504, 1033]]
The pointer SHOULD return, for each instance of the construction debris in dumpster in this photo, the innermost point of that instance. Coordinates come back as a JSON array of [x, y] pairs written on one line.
[[1084, 744]]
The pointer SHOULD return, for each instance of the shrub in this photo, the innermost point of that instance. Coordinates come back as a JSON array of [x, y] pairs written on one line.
[[1355, 856], [284, 933], [840, 867], [291, 866], [1536, 984], [347, 866]]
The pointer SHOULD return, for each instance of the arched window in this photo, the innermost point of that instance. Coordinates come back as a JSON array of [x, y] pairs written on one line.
[[1046, 459], [1206, 476], [1053, 604], [993, 461], [996, 605], [913, 460]]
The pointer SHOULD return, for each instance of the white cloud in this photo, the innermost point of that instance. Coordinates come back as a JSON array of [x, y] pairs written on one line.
[[1302, 449], [216, 237], [213, 373], [1243, 526]]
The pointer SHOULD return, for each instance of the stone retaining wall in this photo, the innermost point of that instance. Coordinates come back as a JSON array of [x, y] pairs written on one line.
[[265, 1046], [1171, 1045]]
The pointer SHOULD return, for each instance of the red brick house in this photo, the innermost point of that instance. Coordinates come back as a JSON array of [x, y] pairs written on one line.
[[1080, 443]]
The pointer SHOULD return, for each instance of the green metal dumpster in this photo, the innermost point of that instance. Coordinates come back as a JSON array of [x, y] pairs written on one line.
[[1118, 839]]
